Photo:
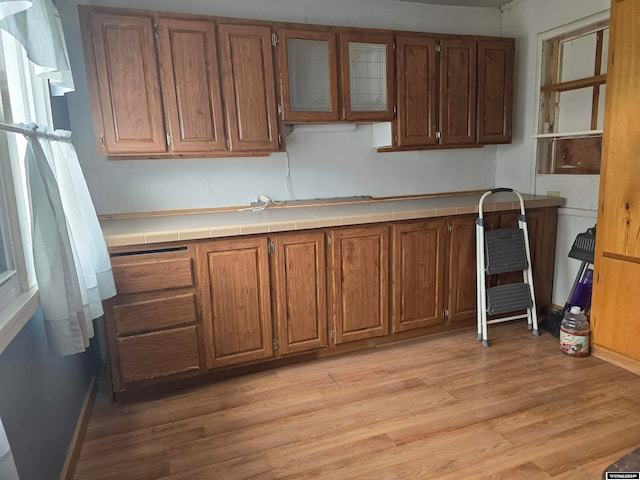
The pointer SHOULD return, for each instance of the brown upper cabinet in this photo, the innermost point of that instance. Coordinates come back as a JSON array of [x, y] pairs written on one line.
[[453, 91], [125, 90], [191, 85], [308, 68], [249, 87], [495, 90], [170, 85], [326, 80], [457, 91], [416, 61], [366, 61]]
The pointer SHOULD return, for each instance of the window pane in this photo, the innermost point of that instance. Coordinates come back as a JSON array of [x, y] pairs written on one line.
[[310, 90], [578, 58], [368, 76], [574, 111]]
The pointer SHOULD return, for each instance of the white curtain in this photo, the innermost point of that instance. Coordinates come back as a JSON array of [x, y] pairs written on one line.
[[36, 25], [71, 262]]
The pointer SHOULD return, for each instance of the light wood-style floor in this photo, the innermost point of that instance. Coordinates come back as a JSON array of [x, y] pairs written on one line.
[[441, 407]]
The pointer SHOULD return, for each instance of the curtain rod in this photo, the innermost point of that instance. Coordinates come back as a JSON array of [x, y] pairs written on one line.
[[33, 130]]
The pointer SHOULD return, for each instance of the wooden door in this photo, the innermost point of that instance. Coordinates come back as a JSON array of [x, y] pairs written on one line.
[[619, 203], [299, 273], [417, 121], [248, 83], [308, 67], [360, 282], [366, 62], [191, 85], [458, 91], [234, 277], [417, 270], [122, 71], [617, 260], [495, 90]]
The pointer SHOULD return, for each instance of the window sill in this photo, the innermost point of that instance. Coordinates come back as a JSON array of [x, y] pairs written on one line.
[[16, 315]]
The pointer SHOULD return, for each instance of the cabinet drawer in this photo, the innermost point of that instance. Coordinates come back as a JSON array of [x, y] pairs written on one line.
[[142, 315], [158, 354], [159, 274]]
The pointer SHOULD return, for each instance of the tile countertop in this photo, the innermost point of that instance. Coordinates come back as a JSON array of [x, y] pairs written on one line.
[[140, 230]]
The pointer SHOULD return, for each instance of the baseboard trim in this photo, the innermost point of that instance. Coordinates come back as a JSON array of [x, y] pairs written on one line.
[[73, 453], [616, 358]]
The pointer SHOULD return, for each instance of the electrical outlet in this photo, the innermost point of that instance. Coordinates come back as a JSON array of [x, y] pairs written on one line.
[[264, 199], [553, 193]]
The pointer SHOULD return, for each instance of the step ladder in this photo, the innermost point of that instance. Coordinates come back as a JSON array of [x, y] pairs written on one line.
[[498, 251]]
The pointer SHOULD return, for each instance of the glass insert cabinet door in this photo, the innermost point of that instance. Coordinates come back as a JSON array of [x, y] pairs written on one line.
[[309, 84], [367, 76]]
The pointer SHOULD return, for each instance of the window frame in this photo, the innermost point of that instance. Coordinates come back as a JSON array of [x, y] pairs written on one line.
[[544, 76], [19, 299]]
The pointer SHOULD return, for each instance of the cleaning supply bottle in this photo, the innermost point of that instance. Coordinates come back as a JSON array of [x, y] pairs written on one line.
[[574, 333]]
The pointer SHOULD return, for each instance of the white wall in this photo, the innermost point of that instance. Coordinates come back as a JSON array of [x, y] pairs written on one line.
[[515, 163], [322, 164]]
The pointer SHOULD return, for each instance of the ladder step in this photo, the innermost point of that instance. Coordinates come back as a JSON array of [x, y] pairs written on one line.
[[505, 251], [508, 298]]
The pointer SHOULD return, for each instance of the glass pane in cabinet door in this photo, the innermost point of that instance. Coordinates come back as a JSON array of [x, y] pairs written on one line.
[[368, 78], [309, 87]]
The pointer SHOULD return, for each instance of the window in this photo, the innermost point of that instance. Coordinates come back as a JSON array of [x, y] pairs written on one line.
[[572, 101], [24, 98]]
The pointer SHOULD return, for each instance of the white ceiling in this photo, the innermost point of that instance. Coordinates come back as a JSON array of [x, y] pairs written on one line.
[[463, 3]]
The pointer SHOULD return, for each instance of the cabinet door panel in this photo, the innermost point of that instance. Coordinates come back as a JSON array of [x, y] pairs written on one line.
[[367, 76], [191, 88], [495, 90], [458, 92], [128, 84], [237, 314], [615, 311], [418, 273], [308, 76], [249, 87], [299, 270], [360, 279], [417, 97]]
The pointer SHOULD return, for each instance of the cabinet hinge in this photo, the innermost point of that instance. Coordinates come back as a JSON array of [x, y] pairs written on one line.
[[279, 140], [394, 45], [446, 313], [276, 344], [279, 109], [156, 30], [104, 144], [271, 247], [437, 48], [169, 139], [274, 40], [89, 28], [329, 241], [395, 110], [438, 135], [333, 333], [448, 228]]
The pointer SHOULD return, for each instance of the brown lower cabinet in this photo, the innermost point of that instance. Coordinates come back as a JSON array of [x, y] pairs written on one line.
[[360, 282], [188, 309]]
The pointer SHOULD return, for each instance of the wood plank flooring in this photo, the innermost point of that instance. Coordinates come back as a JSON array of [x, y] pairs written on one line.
[[440, 407]]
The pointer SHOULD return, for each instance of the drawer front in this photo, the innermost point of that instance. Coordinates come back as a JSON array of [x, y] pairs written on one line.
[[160, 274], [158, 354], [139, 316]]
